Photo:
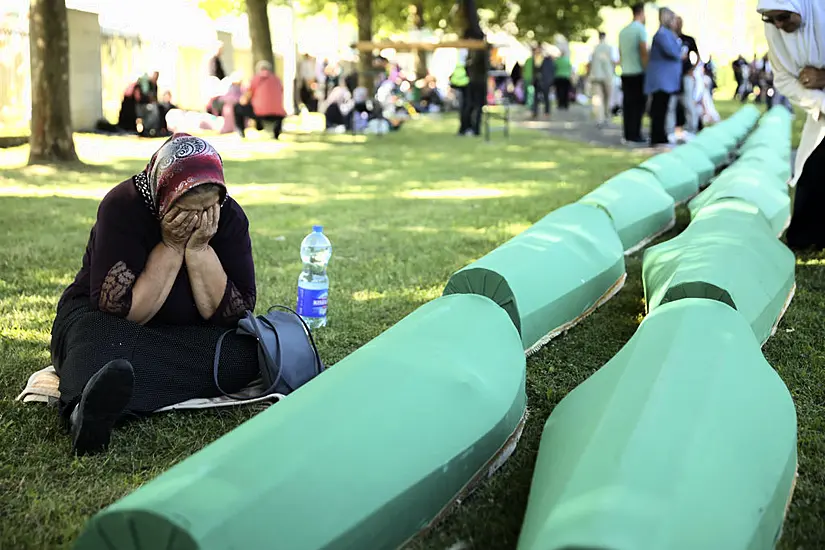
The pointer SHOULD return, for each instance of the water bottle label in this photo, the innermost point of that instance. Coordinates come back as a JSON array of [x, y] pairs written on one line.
[[312, 303]]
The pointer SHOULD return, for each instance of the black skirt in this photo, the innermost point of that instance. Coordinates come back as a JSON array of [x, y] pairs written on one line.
[[172, 363], [807, 229]]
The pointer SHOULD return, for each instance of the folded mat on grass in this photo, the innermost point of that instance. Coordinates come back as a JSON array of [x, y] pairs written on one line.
[[676, 177], [364, 456], [766, 192], [44, 387], [640, 209], [552, 275], [686, 439], [727, 253]]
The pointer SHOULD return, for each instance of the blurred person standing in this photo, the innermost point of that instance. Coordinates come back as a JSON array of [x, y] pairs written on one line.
[[601, 71], [216, 65], [543, 78], [475, 97], [564, 76], [689, 119], [633, 56], [664, 75]]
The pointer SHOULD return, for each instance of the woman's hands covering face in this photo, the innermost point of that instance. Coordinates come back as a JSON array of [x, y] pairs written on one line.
[[177, 227], [206, 228]]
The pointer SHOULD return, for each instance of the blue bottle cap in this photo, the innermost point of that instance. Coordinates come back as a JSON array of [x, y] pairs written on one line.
[[317, 228]]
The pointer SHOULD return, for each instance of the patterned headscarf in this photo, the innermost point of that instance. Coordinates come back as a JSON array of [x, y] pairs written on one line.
[[182, 163]]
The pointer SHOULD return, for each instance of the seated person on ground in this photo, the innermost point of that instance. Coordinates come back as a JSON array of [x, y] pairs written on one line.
[[264, 101], [167, 270], [337, 108], [127, 119]]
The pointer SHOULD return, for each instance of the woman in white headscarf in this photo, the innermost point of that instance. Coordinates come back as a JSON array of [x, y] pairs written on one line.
[[796, 37]]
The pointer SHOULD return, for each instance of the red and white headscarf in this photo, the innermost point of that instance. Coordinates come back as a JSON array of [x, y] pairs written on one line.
[[182, 163]]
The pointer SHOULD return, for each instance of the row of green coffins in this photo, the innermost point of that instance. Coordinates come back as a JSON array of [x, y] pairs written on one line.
[[687, 438], [379, 447]]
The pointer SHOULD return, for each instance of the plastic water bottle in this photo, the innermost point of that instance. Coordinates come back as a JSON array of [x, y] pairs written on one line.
[[313, 283]]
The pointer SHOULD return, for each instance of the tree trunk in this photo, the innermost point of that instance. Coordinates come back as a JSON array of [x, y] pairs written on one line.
[[363, 14], [51, 126], [421, 55], [259, 33], [472, 24]]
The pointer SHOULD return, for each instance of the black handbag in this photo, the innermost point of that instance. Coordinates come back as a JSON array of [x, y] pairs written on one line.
[[287, 355]]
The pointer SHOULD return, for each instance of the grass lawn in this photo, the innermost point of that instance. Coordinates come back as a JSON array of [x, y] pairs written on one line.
[[403, 212]]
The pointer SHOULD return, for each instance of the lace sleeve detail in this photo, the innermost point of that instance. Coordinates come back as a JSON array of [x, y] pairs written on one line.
[[116, 290], [234, 305]]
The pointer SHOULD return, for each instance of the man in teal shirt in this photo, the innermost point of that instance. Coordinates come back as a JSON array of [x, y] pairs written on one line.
[[633, 56]]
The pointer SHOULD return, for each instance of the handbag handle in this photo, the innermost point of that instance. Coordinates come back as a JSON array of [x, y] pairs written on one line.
[[319, 366], [216, 363]]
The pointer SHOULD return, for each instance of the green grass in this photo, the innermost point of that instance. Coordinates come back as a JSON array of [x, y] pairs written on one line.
[[403, 212]]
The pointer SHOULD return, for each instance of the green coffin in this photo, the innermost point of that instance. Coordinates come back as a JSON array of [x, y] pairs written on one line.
[[779, 115], [551, 276], [686, 440], [736, 127], [763, 192], [679, 180], [748, 115], [715, 144], [778, 143], [640, 209], [767, 159], [730, 140], [727, 253], [697, 160], [753, 171], [363, 457]]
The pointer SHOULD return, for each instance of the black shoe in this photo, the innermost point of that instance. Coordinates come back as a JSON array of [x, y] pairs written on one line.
[[102, 403]]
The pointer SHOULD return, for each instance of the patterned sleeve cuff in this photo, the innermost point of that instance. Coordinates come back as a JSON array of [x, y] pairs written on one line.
[[116, 290], [233, 306]]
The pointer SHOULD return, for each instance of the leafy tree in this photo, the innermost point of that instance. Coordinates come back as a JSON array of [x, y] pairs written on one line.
[[541, 20], [220, 8]]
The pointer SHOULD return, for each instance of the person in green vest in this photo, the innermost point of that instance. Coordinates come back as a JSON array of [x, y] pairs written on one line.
[[564, 72], [527, 76], [459, 79]]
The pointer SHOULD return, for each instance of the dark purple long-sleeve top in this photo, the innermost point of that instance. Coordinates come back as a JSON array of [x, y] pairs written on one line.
[[119, 245]]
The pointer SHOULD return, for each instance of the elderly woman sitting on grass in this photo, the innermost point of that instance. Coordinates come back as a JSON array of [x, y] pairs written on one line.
[[167, 269]]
